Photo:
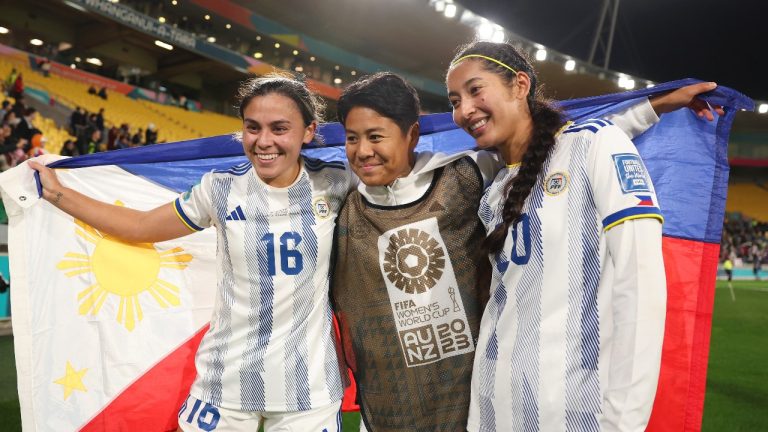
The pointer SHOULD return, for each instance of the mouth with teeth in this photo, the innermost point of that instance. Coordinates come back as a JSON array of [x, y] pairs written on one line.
[[267, 156], [477, 126]]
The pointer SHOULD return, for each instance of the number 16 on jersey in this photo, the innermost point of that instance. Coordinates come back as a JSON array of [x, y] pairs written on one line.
[[291, 261]]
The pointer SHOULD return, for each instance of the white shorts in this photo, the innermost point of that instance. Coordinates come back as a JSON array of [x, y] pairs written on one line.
[[198, 416]]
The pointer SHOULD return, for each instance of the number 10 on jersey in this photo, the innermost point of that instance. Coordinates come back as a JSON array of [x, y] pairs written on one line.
[[291, 261]]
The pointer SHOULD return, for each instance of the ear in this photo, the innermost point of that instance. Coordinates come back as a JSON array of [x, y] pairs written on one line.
[[522, 85], [413, 136], [309, 132]]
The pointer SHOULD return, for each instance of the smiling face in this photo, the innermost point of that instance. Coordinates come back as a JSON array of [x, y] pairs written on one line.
[[377, 149], [273, 134], [494, 112]]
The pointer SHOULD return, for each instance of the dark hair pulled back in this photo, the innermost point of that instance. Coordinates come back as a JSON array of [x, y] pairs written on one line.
[[547, 121], [310, 106]]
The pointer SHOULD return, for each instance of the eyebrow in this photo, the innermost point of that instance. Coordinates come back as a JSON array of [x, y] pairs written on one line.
[[466, 84], [274, 123], [367, 131]]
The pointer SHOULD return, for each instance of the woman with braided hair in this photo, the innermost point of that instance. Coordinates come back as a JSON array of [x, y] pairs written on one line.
[[571, 337]]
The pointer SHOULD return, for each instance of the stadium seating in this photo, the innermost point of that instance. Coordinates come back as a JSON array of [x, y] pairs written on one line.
[[172, 123], [749, 199]]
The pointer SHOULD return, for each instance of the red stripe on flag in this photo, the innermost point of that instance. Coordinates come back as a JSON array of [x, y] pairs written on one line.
[[691, 269], [152, 402]]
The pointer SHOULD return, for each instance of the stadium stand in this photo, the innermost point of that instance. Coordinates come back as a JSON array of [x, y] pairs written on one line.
[[172, 123], [749, 199]]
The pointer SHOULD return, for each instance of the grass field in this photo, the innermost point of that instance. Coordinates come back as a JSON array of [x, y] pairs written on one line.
[[737, 383]]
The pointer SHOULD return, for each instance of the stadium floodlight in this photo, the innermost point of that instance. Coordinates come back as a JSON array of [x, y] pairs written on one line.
[[353, 73], [174, 2], [73, 66], [258, 55], [295, 52], [498, 35], [36, 42], [570, 65], [440, 5], [207, 17], [299, 68], [78, 59], [3, 30], [277, 44], [228, 26], [94, 61], [312, 58], [211, 39], [162, 44], [161, 19], [541, 54], [336, 67], [763, 108], [450, 10], [337, 80], [626, 83], [485, 30]]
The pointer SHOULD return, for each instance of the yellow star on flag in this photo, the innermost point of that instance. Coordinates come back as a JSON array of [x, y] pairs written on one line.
[[72, 380]]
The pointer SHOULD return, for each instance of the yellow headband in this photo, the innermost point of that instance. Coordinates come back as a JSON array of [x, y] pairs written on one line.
[[482, 57]]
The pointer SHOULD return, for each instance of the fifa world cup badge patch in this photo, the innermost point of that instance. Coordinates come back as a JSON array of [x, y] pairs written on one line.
[[631, 172], [321, 208], [556, 183]]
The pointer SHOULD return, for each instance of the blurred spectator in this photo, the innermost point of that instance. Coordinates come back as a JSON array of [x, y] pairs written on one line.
[[25, 128], [69, 148], [5, 108], [37, 145], [103, 93], [99, 120], [150, 137], [136, 138], [76, 121], [89, 143], [10, 80], [744, 239], [17, 89], [91, 90]]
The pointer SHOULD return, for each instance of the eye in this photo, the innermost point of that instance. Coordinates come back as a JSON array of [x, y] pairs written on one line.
[[252, 128], [474, 90], [351, 139], [454, 102], [375, 138], [280, 129]]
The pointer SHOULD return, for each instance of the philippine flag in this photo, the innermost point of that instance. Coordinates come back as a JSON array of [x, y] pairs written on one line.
[[105, 332], [645, 200]]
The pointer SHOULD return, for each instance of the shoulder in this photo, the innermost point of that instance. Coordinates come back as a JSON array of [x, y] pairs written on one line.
[[316, 165], [236, 171], [592, 126]]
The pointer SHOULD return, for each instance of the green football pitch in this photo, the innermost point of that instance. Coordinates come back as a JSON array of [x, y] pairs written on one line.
[[737, 382]]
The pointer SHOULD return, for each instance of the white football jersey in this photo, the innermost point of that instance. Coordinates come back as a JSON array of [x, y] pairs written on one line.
[[270, 346], [549, 328]]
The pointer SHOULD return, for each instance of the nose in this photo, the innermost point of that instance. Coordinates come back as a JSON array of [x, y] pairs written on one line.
[[467, 108], [364, 149]]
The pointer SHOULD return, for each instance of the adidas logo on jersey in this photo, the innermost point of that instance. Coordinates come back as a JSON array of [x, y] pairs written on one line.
[[236, 215]]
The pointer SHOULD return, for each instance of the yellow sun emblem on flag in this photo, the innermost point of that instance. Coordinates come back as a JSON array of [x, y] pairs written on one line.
[[125, 270]]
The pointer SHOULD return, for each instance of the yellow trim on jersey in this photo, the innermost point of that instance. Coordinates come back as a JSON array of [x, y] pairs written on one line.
[[516, 164], [639, 216], [181, 218]]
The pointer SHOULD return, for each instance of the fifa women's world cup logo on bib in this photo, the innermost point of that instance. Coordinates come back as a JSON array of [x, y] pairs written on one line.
[[426, 305]]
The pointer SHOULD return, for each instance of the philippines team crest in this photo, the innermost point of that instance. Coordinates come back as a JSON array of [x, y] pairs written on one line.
[[556, 183], [321, 208]]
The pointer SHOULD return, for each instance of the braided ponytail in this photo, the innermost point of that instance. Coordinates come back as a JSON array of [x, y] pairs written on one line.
[[546, 120]]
